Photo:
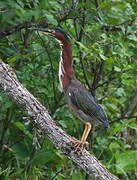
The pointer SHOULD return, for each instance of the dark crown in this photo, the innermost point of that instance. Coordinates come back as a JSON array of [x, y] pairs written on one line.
[[62, 32]]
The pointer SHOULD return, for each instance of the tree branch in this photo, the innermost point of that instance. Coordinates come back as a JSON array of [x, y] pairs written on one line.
[[132, 105], [12, 87], [21, 26], [28, 24]]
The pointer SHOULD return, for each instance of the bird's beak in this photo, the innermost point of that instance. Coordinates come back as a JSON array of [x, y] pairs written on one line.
[[47, 31]]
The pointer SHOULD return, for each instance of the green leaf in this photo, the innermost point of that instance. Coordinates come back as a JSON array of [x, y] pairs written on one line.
[[120, 92], [77, 176], [42, 157], [117, 69], [132, 37], [20, 151], [114, 146], [22, 127], [51, 19], [127, 161], [118, 127]]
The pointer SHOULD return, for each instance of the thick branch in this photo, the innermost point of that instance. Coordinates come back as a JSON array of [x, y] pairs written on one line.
[[39, 114]]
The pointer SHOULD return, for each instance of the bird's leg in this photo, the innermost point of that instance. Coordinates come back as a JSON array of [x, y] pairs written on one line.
[[79, 145], [86, 132]]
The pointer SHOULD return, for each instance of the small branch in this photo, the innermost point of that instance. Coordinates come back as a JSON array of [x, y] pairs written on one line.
[[12, 87], [132, 105], [84, 71], [116, 28], [97, 77], [109, 28], [123, 118], [22, 26], [28, 24]]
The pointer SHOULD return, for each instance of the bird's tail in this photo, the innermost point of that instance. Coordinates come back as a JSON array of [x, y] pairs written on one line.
[[105, 123]]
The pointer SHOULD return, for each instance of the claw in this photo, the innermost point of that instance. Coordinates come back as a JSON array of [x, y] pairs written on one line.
[[78, 145]]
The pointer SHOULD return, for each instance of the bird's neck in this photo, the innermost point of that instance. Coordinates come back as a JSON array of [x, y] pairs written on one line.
[[66, 72]]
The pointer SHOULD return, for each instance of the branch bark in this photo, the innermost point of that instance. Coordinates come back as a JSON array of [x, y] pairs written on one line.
[[13, 88]]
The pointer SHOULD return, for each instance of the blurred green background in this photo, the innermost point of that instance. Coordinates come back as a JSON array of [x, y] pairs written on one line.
[[104, 38]]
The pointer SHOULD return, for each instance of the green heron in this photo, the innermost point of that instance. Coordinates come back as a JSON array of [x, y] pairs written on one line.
[[79, 99]]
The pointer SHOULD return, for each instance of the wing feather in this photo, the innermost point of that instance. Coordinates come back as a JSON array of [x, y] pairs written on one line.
[[84, 101]]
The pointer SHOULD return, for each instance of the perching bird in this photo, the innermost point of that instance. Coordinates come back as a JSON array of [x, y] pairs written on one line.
[[79, 99]]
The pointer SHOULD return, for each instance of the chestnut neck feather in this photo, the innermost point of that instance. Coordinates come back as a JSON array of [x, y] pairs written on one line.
[[66, 72]]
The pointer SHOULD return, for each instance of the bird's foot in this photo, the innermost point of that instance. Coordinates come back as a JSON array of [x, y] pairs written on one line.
[[79, 145]]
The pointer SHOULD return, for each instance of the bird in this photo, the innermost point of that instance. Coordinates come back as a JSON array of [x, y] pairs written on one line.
[[80, 101]]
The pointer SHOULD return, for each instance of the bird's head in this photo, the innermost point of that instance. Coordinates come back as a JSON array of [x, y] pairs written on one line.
[[58, 33]]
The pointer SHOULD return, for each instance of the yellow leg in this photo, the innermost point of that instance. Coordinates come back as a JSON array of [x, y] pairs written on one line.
[[79, 145], [86, 132]]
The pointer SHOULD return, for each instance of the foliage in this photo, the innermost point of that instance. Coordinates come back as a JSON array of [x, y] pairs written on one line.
[[103, 34]]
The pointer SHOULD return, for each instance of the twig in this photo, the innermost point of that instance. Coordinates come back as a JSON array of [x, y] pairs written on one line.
[[97, 77], [132, 105], [34, 23], [21, 26]]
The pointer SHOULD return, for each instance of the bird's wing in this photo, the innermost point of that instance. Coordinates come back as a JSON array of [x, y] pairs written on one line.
[[84, 101]]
